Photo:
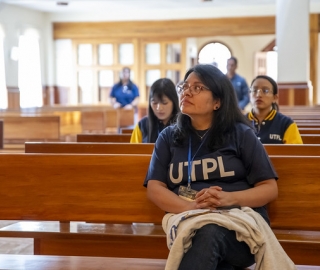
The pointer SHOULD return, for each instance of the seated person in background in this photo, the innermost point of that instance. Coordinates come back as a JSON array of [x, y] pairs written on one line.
[[124, 94], [162, 110], [213, 150], [271, 126]]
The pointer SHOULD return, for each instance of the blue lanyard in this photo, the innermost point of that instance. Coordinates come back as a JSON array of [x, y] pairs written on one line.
[[191, 160]]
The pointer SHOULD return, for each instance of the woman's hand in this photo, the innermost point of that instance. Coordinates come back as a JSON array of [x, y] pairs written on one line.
[[210, 197], [261, 194]]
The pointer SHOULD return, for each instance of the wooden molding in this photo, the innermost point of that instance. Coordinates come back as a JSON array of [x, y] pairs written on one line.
[[167, 29]]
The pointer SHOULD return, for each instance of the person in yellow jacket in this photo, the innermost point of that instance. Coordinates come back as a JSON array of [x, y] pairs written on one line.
[[271, 126], [162, 111]]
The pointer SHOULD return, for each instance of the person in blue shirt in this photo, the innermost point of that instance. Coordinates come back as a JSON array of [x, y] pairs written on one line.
[[213, 150], [239, 83], [124, 94]]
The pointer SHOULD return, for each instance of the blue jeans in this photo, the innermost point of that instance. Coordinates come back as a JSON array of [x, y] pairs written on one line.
[[216, 248]]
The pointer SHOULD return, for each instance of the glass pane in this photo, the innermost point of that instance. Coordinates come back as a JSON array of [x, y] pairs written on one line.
[[151, 77], [105, 54], [85, 54], [173, 75], [126, 55], [63, 53], [173, 53], [106, 78], [153, 54], [85, 80], [106, 82], [3, 86]]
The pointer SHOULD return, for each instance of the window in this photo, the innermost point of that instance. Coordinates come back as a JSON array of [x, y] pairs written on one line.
[[215, 53], [29, 72], [3, 88]]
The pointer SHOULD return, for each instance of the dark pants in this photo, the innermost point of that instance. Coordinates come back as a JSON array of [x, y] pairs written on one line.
[[216, 248]]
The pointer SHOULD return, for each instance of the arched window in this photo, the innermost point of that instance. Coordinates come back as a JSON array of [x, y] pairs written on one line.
[[215, 53], [3, 87], [29, 71]]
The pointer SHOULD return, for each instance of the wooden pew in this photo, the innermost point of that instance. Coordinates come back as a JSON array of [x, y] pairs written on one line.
[[147, 148], [293, 149], [20, 128], [103, 138], [309, 130], [99, 121], [310, 138], [126, 130], [306, 138], [89, 148], [41, 262], [104, 189], [37, 262], [308, 124], [70, 191]]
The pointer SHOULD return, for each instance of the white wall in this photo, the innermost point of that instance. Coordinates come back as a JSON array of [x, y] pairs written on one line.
[[14, 21]]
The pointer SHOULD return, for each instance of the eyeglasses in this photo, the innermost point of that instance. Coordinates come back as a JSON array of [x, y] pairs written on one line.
[[194, 89], [263, 92]]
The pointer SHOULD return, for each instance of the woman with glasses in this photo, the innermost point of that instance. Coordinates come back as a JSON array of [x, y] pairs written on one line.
[[162, 112], [210, 160], [271, 126]]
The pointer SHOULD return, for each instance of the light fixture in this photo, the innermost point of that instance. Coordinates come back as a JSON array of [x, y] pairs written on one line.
[[62, 3]]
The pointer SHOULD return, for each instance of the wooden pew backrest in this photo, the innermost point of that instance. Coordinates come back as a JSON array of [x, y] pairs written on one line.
[[103, 138], [310, 138], [92, 188], [298, 204], [309, 130], [23, 128], [293, 149], [89, 148], [37, 262]]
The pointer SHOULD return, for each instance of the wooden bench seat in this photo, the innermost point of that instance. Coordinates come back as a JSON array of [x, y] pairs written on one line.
[[51, 187], [306, 138], [293, 149], [89, 148], [103, 137], [40, 262], [147, 148], [310, 138], [309, 130]]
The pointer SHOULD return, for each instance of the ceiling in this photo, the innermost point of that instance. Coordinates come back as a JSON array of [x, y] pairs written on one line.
[[153, 9]]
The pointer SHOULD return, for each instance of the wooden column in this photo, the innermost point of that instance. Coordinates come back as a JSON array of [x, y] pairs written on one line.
[[1, 134], [314, 70]]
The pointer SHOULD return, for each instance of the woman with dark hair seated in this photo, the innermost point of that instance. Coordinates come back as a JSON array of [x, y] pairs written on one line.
[[162, 112], [271, 126]]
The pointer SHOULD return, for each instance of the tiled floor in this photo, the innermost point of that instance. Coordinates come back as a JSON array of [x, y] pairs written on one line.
[[15, 245]]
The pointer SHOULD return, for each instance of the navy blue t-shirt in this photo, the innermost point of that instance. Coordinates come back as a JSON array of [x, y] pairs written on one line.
[[234, 167]]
